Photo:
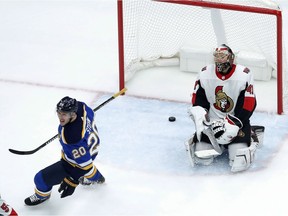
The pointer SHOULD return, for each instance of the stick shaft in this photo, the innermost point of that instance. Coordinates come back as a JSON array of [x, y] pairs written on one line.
[[109, 99]]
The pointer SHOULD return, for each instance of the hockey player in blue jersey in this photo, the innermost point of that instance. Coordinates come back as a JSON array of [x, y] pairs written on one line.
[[79, 139]]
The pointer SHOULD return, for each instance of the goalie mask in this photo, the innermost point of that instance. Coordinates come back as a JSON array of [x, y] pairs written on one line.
[[223, 58], [67, 104]]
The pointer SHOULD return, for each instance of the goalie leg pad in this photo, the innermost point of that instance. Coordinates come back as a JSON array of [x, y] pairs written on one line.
[[243, 158], [204, 153], [204, 161], [190, 146], [233, 148], [205, 150]]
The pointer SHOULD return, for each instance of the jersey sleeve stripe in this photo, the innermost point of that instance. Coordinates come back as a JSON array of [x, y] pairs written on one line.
[[249, 103], [84, 121]]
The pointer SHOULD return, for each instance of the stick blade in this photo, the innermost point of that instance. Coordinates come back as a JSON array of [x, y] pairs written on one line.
[[18, 152]]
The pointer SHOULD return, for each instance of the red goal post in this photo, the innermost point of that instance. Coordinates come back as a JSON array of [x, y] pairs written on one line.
[[145, 24]]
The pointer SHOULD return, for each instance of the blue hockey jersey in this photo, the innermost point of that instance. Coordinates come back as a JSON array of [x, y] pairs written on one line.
[[79, 139]]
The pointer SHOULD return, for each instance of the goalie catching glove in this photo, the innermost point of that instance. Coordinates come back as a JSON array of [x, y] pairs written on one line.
[[227, 129]]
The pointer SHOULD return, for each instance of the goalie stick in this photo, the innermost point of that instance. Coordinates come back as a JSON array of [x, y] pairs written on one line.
[[19, 152], [209, 133], [217, 149], [202, 153]]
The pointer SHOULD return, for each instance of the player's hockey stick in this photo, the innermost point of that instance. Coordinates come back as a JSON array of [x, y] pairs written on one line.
[[54, 137]]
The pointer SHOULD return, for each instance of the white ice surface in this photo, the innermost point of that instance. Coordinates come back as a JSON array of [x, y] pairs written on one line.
[[50, 49]]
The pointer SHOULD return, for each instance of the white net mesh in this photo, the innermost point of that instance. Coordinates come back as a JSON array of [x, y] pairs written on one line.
[[156, 30]]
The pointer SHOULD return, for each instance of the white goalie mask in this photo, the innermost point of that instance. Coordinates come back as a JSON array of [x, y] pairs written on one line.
[[223, 58]]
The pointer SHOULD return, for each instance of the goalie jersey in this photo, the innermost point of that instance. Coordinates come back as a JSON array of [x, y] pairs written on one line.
[[220, 94]]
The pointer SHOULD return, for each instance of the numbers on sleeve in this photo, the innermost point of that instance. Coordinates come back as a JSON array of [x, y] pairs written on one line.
[[92, 142], [250, 89]]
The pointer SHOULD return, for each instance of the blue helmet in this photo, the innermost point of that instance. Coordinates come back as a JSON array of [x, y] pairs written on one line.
[[67, 104]]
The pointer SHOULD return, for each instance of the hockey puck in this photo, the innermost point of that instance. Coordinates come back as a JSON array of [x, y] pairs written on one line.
[[172, 119]]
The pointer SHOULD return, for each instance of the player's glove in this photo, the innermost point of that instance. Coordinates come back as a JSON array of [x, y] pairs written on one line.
[[199, 115], [67, 187], [225, 130]]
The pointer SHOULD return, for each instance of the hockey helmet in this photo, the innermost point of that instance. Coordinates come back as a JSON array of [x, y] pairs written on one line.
[[67, 104], [223, 58]]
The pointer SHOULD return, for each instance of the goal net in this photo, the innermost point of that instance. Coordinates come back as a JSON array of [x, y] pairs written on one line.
[[175, 32]]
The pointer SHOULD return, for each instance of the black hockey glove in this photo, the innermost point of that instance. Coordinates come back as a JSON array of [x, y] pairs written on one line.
[[67, 187]]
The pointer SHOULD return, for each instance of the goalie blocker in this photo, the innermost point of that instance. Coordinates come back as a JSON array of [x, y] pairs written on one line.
[[243, 157]]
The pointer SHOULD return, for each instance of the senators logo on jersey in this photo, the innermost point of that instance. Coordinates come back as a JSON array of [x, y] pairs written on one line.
[[223, 102]]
